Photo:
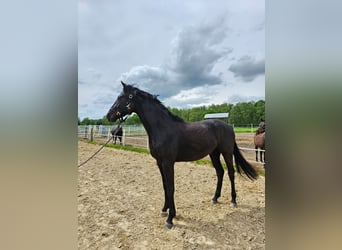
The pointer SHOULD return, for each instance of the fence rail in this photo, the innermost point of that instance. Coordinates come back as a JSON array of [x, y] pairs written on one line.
[[134, 136]]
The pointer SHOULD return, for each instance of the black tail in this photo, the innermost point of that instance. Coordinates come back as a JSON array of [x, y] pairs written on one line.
[[241, 163]]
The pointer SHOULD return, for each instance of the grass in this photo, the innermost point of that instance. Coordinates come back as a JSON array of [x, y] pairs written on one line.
[[127, 148], [146, 151], [244, 130]]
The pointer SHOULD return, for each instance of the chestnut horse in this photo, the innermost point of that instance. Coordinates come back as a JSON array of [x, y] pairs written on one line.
[[259, 143]]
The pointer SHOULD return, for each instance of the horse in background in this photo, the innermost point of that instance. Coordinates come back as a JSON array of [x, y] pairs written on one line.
[[117, 131], [259, 142]]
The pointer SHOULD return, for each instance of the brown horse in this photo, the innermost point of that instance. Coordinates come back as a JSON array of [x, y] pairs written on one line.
[[259, 142]]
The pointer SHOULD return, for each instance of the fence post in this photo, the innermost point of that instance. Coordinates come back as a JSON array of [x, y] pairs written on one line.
[[108, 134], [92, 134]]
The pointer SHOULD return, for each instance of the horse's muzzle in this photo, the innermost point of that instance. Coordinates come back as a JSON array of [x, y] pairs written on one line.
[[112, 117]]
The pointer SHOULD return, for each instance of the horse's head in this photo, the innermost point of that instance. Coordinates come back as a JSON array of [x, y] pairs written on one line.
[[124, 104]]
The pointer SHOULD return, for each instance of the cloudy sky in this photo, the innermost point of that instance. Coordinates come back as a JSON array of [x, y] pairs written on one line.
[[190, 53]]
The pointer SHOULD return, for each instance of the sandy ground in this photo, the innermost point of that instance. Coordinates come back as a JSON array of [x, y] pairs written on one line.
[[120, 196]]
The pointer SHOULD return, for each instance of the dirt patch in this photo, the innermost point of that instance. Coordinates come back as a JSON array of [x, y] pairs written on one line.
[[120, 195]]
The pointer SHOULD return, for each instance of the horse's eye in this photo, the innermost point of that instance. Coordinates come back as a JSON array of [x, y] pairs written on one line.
[[130, 96]]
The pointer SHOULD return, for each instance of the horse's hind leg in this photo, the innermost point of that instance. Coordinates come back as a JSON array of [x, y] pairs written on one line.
[[256, 153], [229, 161], [263, 154], [215, 158]]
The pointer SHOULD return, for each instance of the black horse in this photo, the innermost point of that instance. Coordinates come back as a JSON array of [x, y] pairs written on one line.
[[117, 133], [171, 140]]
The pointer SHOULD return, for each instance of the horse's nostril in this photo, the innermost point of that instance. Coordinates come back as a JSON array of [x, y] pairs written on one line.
[[118, 113]]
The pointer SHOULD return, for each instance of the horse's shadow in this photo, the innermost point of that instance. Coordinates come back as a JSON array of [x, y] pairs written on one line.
[[237, 223], [232, 214]]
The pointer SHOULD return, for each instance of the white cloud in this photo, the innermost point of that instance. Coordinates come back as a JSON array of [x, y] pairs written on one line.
[[173, 49], [194, 53]]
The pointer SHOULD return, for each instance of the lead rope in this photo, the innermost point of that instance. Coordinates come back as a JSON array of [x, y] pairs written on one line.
[[95, 152], [121, 121]]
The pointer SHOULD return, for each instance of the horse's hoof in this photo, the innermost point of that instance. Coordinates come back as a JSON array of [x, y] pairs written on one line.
[[168, 225], [233, 204], [163, 214], [214, 201]]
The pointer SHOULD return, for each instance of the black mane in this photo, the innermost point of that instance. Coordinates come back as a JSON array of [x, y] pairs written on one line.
[[154, 99]]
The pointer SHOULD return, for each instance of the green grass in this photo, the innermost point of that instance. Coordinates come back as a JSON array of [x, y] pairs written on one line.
[[146, 151], [244, 130], [127, 148]]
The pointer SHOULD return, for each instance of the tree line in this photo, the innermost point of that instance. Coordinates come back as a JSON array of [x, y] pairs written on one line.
[[241, 113]]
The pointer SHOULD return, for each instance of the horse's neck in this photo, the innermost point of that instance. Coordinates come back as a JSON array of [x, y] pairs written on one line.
[[154, 118]]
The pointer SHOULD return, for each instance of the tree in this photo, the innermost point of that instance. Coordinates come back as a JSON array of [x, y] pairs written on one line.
[[242, 113], [86, 121], [133, 119], [259, 111]]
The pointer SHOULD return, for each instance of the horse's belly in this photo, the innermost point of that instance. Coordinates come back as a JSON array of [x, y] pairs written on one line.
[[190, 157], [193, 153]]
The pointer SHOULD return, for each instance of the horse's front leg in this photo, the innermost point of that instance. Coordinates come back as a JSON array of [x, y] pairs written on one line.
[[163, 211], [167, 170]]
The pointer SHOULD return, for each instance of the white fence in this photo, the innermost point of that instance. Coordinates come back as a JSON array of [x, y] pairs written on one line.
[[130, 133], [133, 135]]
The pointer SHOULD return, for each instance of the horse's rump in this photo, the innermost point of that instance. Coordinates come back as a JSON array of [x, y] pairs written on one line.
[[259, 140]]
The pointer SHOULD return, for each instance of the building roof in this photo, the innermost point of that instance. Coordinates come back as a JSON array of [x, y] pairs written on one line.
[[216, 115]]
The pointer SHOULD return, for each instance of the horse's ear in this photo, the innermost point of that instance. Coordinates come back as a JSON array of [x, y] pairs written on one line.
[[124, 85]]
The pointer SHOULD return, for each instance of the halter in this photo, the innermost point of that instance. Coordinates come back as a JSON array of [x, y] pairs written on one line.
[[128, 106]]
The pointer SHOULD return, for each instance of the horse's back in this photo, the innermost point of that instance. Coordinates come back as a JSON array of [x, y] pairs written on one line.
[[220, 132], [214, 127], [116, 131]]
